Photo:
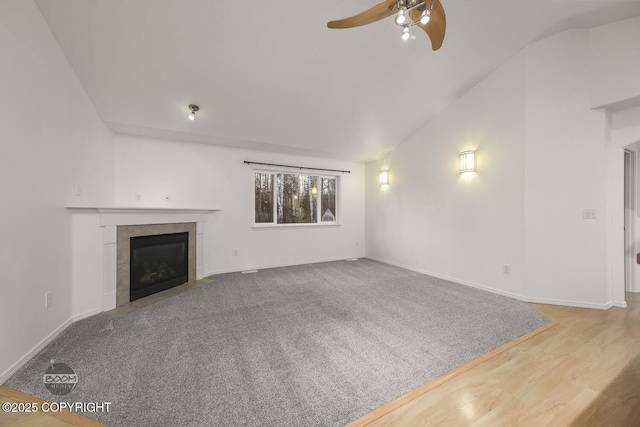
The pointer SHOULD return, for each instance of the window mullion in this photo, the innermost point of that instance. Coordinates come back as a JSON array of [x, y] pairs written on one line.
[[318, 199], [274, 197]]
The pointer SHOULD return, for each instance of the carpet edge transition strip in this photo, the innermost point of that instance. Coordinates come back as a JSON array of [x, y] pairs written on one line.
[[415, 393], [72, 418]]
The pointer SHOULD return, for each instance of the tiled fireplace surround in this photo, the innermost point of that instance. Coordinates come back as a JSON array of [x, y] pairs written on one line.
[[123, 245]]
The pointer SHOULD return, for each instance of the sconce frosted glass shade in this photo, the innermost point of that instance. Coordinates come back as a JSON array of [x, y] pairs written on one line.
[[384, 177], [468, 161]]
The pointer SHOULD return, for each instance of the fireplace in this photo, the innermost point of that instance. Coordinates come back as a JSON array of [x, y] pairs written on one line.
[[158, 263], [151, 258], [100, 256]]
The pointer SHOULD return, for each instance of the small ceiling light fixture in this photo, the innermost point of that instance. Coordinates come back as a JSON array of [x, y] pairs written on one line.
[[468, 161], [384, 177], [193, 108]]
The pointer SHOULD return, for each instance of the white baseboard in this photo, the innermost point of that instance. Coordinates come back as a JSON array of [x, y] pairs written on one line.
[[619, 304], [568, 303], [508, 294], [451, 279], [86, 314], [31, 353], [264, 267], [42, 344]]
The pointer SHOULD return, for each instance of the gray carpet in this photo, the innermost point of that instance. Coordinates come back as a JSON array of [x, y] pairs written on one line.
[[311, 345]]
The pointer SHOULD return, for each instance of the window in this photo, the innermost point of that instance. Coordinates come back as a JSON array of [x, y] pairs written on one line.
[[288, 198], [328, 199], [264, 197]]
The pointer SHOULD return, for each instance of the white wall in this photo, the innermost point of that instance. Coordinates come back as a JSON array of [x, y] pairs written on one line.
[[52, 142], [566, 154], [205, 176], [614, 63], [464, 227]]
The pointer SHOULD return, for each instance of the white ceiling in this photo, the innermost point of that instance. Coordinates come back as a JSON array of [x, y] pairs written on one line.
[[270, 75]]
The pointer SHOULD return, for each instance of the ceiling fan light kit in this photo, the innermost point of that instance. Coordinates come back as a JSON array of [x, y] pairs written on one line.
[[426, 14]]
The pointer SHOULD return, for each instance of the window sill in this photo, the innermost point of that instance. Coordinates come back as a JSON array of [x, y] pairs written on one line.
[[290, 226]]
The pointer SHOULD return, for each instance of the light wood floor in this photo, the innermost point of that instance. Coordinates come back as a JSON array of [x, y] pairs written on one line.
[[582, 370]]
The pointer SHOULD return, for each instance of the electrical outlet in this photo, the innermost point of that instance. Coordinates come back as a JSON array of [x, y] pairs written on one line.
[[167, 198], [47, 300], [235, 252], [78, 191], [506, 268], [590, 214], [138, 197]]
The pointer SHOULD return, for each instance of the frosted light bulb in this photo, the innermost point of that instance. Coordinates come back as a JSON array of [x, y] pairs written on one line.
[[400, 17], [426, 17]]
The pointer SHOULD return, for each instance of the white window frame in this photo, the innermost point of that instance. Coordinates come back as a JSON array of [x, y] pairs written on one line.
[[274, 224]]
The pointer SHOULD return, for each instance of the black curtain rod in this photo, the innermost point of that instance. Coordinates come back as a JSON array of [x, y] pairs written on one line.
[[295, 167]]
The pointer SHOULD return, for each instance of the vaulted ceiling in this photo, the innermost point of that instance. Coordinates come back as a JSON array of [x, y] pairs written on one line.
[[270, 75]]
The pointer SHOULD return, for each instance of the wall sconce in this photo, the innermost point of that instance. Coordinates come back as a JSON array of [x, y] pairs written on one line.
[[384, 177], [468, 161]]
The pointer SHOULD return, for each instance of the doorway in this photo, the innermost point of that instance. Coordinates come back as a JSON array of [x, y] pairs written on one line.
[[629, 221]]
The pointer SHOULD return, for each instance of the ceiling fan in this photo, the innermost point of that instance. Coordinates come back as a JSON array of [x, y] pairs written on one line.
[[426, 14]]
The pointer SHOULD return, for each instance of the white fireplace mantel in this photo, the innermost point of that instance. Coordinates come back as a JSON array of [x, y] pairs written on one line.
[[150, 215], [98, 236]]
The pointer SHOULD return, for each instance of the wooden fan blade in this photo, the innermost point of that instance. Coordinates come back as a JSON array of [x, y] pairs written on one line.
[[436, 26], [376, 13]]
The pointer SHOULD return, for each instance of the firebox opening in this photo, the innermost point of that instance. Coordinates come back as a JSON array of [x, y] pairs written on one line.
[[158, 262]]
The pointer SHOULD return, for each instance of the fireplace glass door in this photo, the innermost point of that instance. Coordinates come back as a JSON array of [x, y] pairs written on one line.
[[158, 262]]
